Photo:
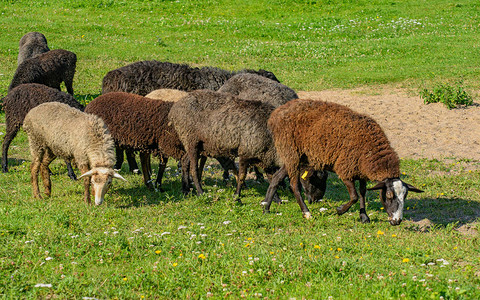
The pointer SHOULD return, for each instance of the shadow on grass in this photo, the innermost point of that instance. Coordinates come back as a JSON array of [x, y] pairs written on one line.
[[13, 162]]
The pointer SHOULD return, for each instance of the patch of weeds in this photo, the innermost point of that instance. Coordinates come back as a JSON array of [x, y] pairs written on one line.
[[451, 96]]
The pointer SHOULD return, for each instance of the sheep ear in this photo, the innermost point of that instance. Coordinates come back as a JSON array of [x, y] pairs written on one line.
[[380, 185], [411, 188], [118, 176], [89, 173]]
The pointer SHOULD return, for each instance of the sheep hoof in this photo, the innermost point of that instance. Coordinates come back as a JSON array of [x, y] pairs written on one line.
[[136, 171], [364, 218], [341, 210], [307, 215], [263, 203]]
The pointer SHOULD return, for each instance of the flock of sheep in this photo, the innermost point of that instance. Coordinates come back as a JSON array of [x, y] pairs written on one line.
[[188, 114]]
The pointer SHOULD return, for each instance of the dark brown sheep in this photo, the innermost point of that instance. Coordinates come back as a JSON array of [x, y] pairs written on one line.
[[30, 45], [140, 124], [222, 125], [50, 68], [328, 136], [19, 101], [144, 77]]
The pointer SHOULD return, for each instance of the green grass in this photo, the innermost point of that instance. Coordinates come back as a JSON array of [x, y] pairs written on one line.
[[144, 244], [309, 45]]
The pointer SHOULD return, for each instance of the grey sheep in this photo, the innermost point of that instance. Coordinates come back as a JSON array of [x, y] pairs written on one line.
[[31, 45], [223, 125], [50, 68], [19, 101], [255, 87], [332, 137], [57, 130]]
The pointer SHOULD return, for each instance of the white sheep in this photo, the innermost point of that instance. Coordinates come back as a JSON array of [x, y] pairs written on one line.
[[57, 130]]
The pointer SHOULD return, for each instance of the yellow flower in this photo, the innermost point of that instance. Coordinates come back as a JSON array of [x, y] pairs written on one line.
[[339, 249], [247, 245], [394, 235], [271, 252], [380, 232], [455, 248], [125, 279], [405, 260], [174, 264], [201, 256], [316, 247], [337, 257], [158, 251]]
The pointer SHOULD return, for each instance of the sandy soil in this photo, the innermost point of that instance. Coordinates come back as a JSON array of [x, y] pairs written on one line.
[[414, 129]]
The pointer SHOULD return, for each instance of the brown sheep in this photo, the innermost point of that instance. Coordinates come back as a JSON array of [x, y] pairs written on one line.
[[57, 130], [332, 137], [30, 45]]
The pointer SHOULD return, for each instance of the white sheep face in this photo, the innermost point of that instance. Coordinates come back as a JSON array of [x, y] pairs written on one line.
[[101, 179]]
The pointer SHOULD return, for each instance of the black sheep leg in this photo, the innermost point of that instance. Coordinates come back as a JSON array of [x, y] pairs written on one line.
[[185, 177], [295, 184], [193, 156], [161, 169], [145, 160], [278, 177], [9, 136], [363, 191], [132, 163], [119, 157], [70, 171]]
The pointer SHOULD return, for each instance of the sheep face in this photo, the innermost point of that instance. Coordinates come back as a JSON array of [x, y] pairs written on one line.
[[101, 179], [393, 194]]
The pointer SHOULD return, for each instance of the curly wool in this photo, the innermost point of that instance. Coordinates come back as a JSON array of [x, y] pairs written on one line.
[[31, 45], [50, 68], [70, 134], [225, 126], [256, 87], [145, 76], [138, 123], [20, 101], [329, 136], [170, 95]]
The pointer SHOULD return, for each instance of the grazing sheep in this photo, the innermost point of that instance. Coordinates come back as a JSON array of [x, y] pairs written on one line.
[[31, 45], [332, 137], [255, 87], [57, 130], [223, 125], [49, 68], [170, 95], [141, 124], [19, 101], [145, 76]]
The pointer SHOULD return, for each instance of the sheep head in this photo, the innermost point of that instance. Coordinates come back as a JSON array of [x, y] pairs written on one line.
[[393, 194], [101, 178]]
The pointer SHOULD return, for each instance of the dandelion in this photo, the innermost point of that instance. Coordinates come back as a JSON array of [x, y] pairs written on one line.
[[337, 257], [405, 260], [380, 232], [158, 251], [202, 256], [247, 245], [175, 264], [339, 249], [394, 235], [316, 246], [125, 279]]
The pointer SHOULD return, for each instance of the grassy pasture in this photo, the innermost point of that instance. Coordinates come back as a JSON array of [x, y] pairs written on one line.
[[145, 244]]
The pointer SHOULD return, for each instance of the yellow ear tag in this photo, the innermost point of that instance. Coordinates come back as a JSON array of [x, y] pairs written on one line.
[[304, 176]]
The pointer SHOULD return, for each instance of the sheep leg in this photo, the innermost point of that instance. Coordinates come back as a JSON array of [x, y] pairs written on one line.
[[9, 136], [145, 161], [161, 169], [242, 174], [119, 157], [278, 177], [69, 81], [295, 184], [132, 163], [86, 184], [193, 155], [258, 174], [363, 191], [34, 169], [201, 166], [45, 172], [228, 164], [276, 198], [185, 176], [70, 171], [350, 184]]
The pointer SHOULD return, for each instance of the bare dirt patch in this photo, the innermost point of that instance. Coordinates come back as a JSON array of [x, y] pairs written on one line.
[[414, 129]]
